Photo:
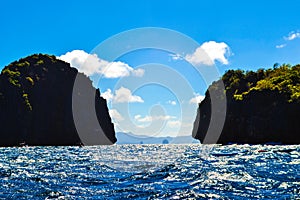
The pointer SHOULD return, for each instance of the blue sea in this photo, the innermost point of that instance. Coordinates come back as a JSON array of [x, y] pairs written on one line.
[[191, 171]]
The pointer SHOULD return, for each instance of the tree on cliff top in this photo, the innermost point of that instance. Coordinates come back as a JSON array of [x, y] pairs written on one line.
[[284, 79]]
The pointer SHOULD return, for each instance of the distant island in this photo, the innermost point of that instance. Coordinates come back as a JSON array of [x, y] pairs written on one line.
[[130, 138], [262, 106], [36, 104]]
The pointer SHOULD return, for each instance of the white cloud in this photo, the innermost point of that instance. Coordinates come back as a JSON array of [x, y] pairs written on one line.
[[115, 115], [108, 95], [148, 118], [136, 117], [174, 124], [138, 72], [173, 103], [208, 53], [139, 118], [142, 126], [116, 70], [91, 64], [122, 95], [84, 62], [197, 98], [176, 57], [280, 46], [293, 35]]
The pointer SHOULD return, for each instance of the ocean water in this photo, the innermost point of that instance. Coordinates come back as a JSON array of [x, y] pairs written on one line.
[[151, 172]]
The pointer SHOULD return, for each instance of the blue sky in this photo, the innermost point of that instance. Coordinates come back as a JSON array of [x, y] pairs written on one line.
[[256, 34], [250, 28]]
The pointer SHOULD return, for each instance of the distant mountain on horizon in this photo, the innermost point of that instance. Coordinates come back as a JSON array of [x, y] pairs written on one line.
[[131, 138]]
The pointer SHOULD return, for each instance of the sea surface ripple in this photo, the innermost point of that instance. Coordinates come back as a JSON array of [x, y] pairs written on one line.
[[151, 172]]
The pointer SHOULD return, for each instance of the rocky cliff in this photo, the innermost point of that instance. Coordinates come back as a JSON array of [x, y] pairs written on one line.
[[36, 107], [261, 107]]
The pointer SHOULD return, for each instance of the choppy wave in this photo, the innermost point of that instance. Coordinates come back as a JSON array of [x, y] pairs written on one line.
[[151, 172]]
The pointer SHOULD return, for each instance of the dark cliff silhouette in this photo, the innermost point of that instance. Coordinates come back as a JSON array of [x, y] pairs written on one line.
[[262, 107], [36, 104]]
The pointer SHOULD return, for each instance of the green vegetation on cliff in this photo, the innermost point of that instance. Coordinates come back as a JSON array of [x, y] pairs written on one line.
[[284, 79], [21, 75], [36, 99], [261, 106]]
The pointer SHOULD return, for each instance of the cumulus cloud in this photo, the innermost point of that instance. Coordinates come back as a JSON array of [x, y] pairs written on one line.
[[280, 46], [197, 98], [293, 35], [148, 118], [138, 72], [108, 95], [208, 53], [173, 103], [115, 115], [122, 95], [91, 64]]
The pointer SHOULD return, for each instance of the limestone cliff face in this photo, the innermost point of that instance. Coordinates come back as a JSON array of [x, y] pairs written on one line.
[[36, 103], [262, 107]]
